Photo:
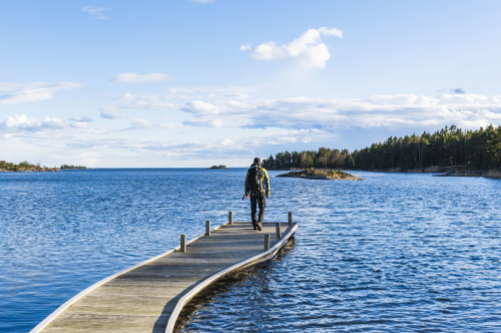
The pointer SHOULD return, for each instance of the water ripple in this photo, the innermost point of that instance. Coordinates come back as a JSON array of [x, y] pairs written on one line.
[[394, 253], [397, 253]]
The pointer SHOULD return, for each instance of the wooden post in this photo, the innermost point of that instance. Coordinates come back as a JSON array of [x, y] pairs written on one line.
[[279, 231], [290, 218], [207, 228], [183, 243], [266, 242], [230, 217]]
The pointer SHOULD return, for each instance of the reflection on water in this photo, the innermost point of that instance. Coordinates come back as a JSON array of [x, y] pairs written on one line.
[[396, 253], [225, 284]]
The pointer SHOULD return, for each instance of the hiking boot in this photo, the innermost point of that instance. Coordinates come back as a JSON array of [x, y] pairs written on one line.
[[259, 227], [254, 225]]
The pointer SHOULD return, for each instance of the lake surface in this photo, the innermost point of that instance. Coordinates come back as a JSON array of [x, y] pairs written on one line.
[[393, 253]]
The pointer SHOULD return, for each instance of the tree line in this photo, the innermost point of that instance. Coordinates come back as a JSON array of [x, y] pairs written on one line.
[[450, 147], [73, 167], [24, 166], [323, 158]]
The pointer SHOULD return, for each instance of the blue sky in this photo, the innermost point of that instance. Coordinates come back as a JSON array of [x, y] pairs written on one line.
[[178, 83]]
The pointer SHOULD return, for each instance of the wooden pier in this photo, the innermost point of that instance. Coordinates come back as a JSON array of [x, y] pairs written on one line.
[[150, 296]]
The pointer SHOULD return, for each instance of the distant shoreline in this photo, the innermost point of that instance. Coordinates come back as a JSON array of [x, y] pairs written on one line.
[[435, 171], [28, 167], [447, 172], [73, 167], [27, 171], [492, 174]]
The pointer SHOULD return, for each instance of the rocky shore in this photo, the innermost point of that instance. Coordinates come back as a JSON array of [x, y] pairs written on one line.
[[320, 175], [451, 171]]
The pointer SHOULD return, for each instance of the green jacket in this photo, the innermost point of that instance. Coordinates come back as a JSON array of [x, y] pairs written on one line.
[[266, 181]]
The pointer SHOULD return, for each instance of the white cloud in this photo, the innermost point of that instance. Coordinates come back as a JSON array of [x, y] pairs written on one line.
[[8, 86], [200, 107], [130, 101], [32, 92], [253, 125], [246, 47], [142, 124], [23, 123], [82, 119], [96, 12], [275, 138], [233, 108], [224, 148], [166, 101], [138, 78], [79, 125], [53, 141], [308, 49], [209, 93], [202, 1], [231, 113], [465, 110]]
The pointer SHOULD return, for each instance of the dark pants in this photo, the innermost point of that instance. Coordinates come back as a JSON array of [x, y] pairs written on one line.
[[255, 199]]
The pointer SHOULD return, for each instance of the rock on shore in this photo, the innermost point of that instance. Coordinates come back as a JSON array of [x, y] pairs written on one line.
[[321, 175]]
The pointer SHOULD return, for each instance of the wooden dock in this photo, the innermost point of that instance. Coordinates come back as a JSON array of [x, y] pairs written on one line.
[[150, 296]]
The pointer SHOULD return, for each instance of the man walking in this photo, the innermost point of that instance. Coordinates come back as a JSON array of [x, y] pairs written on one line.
[[257, 185]]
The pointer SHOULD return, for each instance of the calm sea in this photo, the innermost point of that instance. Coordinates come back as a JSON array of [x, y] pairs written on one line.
[[393, 253]]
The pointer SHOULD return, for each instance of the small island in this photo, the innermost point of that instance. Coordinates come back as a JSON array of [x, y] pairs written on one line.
[[218, 167], [25, 167], [28, 167], [73, 167], [320, 174]]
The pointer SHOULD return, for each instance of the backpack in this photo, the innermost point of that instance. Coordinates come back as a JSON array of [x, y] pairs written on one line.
[[255, 179]]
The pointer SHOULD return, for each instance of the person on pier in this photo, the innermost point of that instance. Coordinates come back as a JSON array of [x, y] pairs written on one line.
[[257, 186]]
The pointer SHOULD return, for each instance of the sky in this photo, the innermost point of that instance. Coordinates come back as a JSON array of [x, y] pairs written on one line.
[[180, 83]]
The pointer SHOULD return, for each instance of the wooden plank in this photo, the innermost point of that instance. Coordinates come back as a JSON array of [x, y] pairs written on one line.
[[98, 322], [147, 297]]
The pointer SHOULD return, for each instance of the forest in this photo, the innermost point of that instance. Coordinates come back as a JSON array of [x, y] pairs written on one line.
[[450, 147]]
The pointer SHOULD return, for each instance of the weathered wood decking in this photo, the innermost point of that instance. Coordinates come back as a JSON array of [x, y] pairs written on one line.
[[150, 296]]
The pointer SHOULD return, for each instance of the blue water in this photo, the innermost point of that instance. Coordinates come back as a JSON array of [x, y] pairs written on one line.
[[393, 253]]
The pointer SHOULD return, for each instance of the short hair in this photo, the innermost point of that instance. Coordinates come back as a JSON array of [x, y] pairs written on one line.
[[257, 160]]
